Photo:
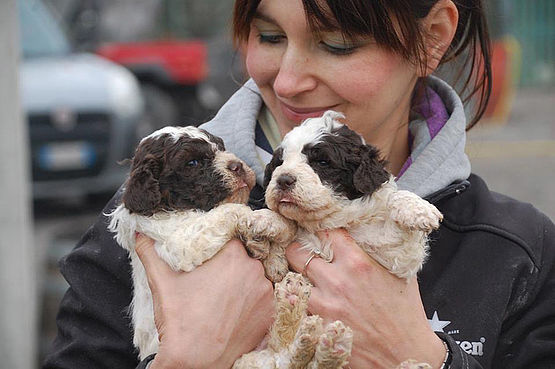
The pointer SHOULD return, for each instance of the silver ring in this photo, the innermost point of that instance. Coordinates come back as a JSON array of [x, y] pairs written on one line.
[[313, 253]]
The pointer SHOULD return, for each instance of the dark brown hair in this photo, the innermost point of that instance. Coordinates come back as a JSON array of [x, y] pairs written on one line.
[[374, 17]]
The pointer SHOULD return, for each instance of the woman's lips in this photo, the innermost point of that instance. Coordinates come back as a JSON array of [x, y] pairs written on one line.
[[300, 114]]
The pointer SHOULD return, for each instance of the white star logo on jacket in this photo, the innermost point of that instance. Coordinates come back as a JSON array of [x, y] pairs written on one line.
[[438, 325]]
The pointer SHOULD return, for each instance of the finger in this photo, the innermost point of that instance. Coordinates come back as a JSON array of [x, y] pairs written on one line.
[[304, 262], [315, 301], [319, 305], [343, 245], [232, 250], [235, 247], [345, 248], [233, 254], [144, 247]]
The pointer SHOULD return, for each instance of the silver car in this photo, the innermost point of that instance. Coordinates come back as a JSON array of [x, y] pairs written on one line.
[[83, 111]]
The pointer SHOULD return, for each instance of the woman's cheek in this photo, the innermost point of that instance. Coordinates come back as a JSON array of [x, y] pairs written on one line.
[[262, 65]]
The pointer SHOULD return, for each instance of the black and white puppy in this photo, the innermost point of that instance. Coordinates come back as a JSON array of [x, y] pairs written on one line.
[[324, 176], [189, 195]]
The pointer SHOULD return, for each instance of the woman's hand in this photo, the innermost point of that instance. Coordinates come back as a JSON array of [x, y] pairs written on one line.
[[385, 313], [211, 316]]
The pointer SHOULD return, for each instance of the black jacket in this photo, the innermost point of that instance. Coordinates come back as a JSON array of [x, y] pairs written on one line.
[[488, 288]]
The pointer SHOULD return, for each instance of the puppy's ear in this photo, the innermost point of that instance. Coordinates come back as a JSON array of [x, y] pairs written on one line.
[[371, 173], [215, 139], [277, 160], [142, 191]]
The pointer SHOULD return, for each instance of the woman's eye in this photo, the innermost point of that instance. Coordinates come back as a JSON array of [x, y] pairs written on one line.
[[193, 163], [270, 38], [337, 49]]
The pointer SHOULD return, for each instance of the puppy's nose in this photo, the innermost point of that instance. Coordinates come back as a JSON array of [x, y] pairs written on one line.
[[286, 181], [236, 167]]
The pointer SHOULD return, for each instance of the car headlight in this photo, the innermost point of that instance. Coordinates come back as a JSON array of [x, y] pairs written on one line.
[[125, 93]]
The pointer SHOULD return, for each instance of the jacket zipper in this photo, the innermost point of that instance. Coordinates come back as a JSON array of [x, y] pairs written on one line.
[[453, 189]]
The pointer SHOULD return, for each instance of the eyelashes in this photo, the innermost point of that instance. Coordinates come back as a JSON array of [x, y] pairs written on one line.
[[270, 38], [338, 50]]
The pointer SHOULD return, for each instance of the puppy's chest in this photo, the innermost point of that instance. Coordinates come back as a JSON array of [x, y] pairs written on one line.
[[369, 225], [352, 218], [164, 227]]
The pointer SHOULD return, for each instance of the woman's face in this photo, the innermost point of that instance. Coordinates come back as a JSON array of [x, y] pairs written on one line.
[[301, 76]]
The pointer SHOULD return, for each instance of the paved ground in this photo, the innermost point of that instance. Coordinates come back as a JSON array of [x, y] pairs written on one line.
[[518, 158]]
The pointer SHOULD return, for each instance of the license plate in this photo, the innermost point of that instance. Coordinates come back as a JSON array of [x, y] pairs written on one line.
[[67, 156]]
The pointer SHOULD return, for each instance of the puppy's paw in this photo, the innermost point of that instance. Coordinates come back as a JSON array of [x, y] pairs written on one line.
[[272, 225], [257, 247], [334, 346], [413, 212], [291, 301], [252, 230], [302, 349], [294, 289], [311, 326], [266, 234], [276, 266], [259, 222]]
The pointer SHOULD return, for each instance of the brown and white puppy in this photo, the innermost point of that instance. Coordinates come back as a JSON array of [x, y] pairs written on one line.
[[324, 176], [188, 194]]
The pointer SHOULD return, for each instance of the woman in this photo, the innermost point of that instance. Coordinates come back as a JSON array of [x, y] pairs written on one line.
[[486, 294]]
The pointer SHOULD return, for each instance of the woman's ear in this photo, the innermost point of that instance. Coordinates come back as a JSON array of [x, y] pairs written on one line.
[[439, 28]]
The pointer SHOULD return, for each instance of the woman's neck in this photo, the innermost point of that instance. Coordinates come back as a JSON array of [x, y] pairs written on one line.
[[392, 140]]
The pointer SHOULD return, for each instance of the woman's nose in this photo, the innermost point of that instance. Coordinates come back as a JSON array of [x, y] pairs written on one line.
[[295, 75]]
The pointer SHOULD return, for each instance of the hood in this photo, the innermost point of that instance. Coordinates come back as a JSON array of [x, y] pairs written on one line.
[[443, 160], [76, 81], [235, 123]]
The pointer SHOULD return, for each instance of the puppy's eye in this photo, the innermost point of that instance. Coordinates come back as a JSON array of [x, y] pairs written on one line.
[[193, 163], [323, 163]]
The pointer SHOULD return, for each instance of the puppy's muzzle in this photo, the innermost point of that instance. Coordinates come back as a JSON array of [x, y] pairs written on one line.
[[286, 182]]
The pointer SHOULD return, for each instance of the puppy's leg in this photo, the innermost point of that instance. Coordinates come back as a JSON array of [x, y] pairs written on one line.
[[302, 349], [266, 235], [291, 298], [413, 212], [255, 230], [333, 348], [275, 265], [192, 243]]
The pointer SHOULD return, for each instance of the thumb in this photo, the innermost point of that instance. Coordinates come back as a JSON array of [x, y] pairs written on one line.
[[144, 247]]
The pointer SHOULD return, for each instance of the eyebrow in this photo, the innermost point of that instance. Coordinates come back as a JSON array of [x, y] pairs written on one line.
[[264, 17], [268, 19]]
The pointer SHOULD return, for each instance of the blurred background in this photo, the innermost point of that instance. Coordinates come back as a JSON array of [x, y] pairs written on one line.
[[96, 75]]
